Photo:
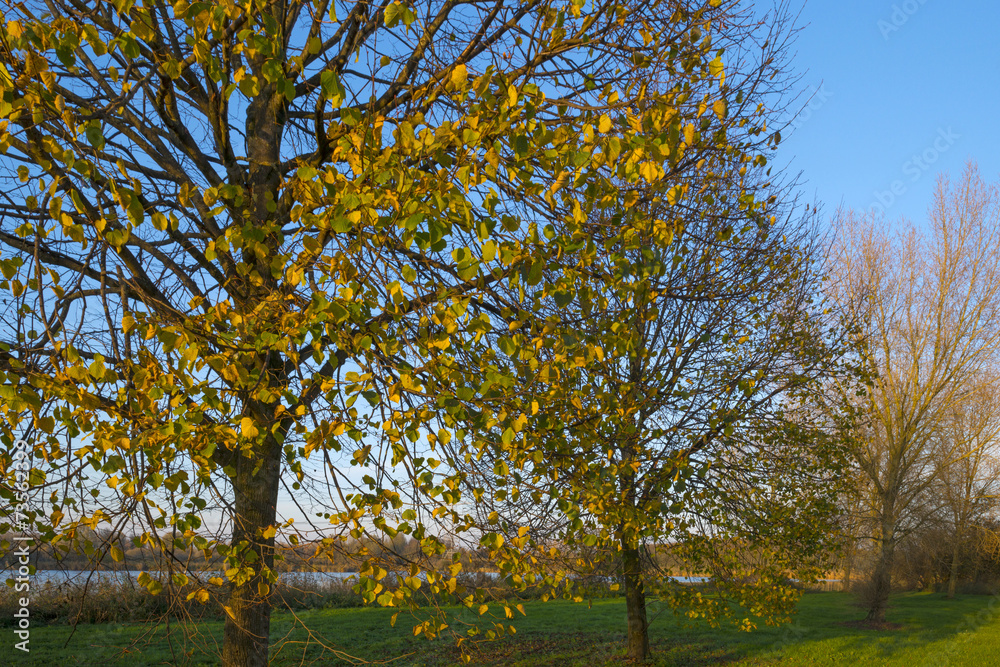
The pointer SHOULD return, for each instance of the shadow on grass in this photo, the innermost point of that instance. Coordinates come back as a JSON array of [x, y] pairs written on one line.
[[933, 631], [922, 629]]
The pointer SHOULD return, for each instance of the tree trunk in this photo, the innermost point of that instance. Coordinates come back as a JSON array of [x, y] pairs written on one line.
[[637, 643], [881, 583], [248, 623], [955, 555], [848, 566]]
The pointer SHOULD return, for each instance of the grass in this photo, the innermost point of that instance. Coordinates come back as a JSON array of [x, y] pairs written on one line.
[[935, 631]]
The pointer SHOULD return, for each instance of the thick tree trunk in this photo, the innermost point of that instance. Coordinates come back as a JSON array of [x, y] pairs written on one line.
[[637, 643], [248, 623], [881, 583]]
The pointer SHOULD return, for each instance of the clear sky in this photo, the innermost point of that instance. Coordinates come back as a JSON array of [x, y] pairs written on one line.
[[908, 89]]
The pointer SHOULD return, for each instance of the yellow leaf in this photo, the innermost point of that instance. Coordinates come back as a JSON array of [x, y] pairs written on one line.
[[604, 124], [459, 75], [674, 195], [716, 69], [648, 170], [248, 428], [719, 108], [492, 157]]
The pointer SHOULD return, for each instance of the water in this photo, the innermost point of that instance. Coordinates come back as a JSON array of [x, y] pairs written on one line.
[[79, 577]]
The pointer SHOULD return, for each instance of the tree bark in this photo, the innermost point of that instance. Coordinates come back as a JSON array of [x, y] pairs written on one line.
[[955, 555], [637, 643], [248, 623], [881, 582], [845, 582], [257, 477]]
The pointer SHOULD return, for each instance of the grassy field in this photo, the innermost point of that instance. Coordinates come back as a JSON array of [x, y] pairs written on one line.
[[934, 631]]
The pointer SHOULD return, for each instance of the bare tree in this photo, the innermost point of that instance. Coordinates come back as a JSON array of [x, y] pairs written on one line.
[[970, 475], [926, 302]]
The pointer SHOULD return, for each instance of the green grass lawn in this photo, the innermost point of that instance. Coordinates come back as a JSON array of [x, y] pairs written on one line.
[[935, 631]]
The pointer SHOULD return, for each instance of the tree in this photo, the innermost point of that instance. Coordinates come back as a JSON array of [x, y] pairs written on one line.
[[690, 428], [226, 223], [970, 476], [928, 307], [686, 426]]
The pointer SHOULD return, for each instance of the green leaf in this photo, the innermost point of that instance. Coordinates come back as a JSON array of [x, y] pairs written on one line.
[[172, 68], [536, 271], [393, 14], [331, 89], [95, 134], [563, 298]]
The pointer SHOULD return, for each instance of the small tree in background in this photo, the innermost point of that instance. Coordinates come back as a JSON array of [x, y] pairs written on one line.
[[969, 475]]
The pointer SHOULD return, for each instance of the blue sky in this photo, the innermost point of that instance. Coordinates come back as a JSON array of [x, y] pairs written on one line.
[[907, 90]]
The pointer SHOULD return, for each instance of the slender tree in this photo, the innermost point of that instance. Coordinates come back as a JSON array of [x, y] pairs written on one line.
[[689, 425], [697, 302], [970, 475]]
